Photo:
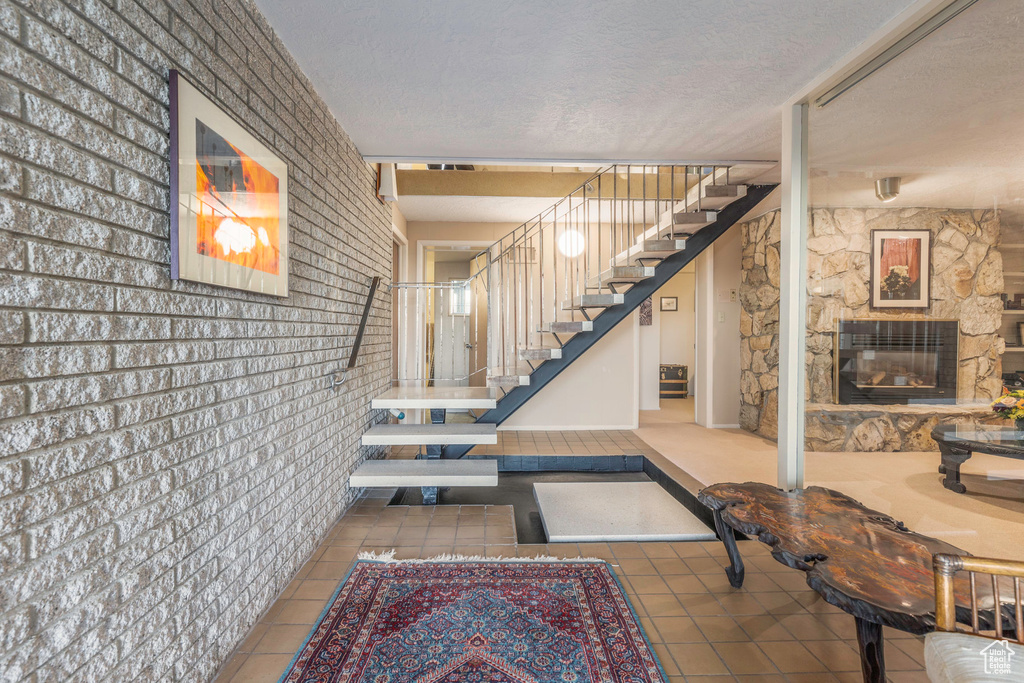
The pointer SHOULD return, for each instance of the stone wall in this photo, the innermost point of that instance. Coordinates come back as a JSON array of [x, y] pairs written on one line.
[[169, 452], [967, 278]]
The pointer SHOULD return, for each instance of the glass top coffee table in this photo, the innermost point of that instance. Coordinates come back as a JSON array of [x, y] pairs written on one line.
[[957, 443]]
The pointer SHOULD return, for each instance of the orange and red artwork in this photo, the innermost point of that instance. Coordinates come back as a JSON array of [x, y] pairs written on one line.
[[899, 268], [229, 208], [237, 218]]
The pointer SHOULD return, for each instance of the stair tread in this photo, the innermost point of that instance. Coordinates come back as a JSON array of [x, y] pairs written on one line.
[[431, 434], [541, 353], [703, 217], [567, 327], [627, 274], [455, 398], [459, 472], [594, 301]]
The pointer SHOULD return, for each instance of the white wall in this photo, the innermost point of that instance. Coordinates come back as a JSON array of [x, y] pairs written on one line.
[[726, 335], [649, 338], [598, 391]]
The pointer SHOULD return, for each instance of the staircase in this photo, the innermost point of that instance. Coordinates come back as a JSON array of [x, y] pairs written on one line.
[[548, 291]]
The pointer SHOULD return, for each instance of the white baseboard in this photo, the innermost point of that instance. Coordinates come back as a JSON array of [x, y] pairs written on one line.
[[725, 426]]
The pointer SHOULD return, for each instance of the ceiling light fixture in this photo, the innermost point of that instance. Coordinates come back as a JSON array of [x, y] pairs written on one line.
[[887, 189], [896, 49], [570, 243]]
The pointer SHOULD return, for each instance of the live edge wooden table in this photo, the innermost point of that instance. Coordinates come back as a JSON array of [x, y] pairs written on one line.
[[860, 560], [958, 443]]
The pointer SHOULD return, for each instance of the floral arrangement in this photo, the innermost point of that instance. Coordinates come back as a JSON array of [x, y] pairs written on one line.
[[897, 281], [1010, 405]]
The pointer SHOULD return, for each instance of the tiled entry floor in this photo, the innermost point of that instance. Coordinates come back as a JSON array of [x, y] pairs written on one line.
[[704, 631]]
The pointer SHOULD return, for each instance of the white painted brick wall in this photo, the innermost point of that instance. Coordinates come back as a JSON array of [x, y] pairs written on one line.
[[169, 452]]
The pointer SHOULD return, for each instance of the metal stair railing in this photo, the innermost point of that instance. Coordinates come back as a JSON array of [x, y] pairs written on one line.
[[547, 271]]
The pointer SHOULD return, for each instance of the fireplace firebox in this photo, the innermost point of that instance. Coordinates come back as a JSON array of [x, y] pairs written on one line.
[[896, 361]]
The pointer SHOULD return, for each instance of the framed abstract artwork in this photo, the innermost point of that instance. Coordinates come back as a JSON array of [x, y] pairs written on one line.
[[900, 268], [229, 199], [647, 312]]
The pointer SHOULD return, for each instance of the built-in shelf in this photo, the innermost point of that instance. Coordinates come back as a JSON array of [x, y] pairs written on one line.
[[1013, 312], [1015, 349], [1012, 245], [1013, 273]]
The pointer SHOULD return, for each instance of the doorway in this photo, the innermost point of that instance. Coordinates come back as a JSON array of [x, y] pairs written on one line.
[[668, 352]]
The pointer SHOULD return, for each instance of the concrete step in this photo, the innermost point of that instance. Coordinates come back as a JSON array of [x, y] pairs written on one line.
[[459, 433], [657, 249], [387, 473], [721, 196], [694, 219], [549, 353], [571, 327], [626, 274], [593, 301], [453, 398]]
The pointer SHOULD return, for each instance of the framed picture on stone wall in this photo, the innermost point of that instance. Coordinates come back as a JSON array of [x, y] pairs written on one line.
[[229, 199], [900, 268]]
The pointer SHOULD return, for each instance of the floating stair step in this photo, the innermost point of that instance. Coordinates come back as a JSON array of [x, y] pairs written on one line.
[[693, 219], [571, 327], [452, 398], [508, 381], [551, 353], [620, 274], [431, 435], [376, 473], [594, 301], [658, 249], [720, 196]]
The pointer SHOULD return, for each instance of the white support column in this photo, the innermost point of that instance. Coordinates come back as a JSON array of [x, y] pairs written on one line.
[[793, 297], [705, 339]]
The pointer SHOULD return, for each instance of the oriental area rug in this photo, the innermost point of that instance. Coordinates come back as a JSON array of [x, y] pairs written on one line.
[[480, 622]]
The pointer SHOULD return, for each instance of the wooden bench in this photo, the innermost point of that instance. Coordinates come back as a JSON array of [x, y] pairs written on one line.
[[860, 560]]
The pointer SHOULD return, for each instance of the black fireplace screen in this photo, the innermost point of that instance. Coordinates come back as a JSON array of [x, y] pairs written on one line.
[[896, 361]]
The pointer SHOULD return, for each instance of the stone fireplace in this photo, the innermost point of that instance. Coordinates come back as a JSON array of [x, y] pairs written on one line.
[[895, 362], [966, 283]]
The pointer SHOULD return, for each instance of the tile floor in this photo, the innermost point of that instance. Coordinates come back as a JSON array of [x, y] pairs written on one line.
[[703, 630]]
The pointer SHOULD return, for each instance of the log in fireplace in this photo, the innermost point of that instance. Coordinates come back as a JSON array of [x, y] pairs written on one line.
[[895, 361]]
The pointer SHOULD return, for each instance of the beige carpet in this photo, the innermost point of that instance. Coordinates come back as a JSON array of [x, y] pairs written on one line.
[[988, 520]]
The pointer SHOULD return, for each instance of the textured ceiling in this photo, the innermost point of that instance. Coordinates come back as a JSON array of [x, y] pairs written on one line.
[[946, 116], [580, 79]]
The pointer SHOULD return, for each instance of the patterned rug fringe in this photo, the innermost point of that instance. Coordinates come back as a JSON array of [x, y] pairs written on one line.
[[388, 556]]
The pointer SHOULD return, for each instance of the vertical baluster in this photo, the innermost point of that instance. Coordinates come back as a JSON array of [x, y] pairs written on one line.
[[615, 224], [569, 246], [974, 602], [542, 264], [600, 229], [997, 605], [1018, 611], [503, 311], [517, 258]]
